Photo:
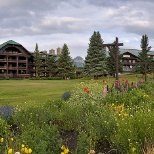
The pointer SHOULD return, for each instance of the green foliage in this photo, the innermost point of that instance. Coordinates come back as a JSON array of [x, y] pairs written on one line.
[[95, 61], [51, 66], [144, 62], [65, 63], [37, 61], [122, 121], [111, 61]]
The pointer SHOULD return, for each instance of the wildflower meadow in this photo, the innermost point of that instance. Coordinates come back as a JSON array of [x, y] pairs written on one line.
[[93, 118]]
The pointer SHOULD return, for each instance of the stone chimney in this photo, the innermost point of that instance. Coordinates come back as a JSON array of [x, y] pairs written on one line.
[[58, 51], [52, 51]]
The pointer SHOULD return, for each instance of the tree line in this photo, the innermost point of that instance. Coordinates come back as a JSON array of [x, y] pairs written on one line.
[[97, 63], [63, 67]]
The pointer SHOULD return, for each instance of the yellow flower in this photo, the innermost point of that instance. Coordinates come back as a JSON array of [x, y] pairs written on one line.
[[62, 153], [63, 147], [12, 139], [112, 105], [2, 140], [125, 114], [26, 150], [133, 149], [29, 150], [66, 151], [10, 151], [22, 149], [22, 145]]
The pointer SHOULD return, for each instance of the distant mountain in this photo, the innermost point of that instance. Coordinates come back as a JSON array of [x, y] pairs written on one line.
[[79, 62]]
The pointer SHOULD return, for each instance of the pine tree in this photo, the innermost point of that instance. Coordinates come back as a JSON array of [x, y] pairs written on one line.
[[111, 61], [143, 60], [95, 61], [51, 66], [37, 61], [65, 63]]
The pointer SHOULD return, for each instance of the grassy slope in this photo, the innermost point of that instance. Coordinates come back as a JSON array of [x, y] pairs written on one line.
[[34, 92]]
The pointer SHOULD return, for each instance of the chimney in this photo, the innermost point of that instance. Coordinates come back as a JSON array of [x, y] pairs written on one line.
[[58, 51], [52, 51]]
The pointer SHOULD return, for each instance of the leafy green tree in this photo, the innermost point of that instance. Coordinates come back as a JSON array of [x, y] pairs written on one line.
[[65, 63], [95, 61], [111, 61], [37, 61], [144, 62], [51, 69]]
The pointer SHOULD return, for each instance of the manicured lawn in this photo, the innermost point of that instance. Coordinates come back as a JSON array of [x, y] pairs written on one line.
[[17, 92]]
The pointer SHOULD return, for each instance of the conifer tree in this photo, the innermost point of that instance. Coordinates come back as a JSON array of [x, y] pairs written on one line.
[[65, 63], [111, 61], [143, 60], [51, 66], [95, 61], [37, 61]]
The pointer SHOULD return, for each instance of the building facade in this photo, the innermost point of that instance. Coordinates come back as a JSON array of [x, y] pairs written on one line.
[[129, 59], [15, 60]]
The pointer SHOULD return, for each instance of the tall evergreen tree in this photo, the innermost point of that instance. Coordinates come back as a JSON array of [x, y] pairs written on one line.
[[37, 61], [65, 63], [51, 66], [111, 61], [95, 61], [143, 60]]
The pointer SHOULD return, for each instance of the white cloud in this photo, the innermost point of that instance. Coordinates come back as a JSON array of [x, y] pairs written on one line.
[[55, 22]]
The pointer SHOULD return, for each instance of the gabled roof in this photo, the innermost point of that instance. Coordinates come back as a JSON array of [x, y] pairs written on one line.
[[9, 42], [132, 51]]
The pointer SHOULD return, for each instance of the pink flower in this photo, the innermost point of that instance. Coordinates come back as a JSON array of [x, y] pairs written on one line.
[[105, 91]]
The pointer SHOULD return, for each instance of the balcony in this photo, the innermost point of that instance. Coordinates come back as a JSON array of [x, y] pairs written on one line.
[[3, 67], [12, 60], [12, 68], [3, 60], [21, 61], [22, 67]]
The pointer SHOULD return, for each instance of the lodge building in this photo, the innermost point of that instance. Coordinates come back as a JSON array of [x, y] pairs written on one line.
[[129, 59], [15, 60]]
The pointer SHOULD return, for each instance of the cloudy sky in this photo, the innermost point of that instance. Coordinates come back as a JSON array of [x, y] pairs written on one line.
[[51, 23]]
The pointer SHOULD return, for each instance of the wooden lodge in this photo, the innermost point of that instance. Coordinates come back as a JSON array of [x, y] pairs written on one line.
[[15, 61]]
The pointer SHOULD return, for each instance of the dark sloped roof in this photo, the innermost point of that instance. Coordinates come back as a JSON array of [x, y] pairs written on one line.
[[132, 51], [9, 42]]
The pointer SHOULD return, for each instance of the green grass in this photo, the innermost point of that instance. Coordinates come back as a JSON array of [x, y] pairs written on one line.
[[17, 92], [36, 92]]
